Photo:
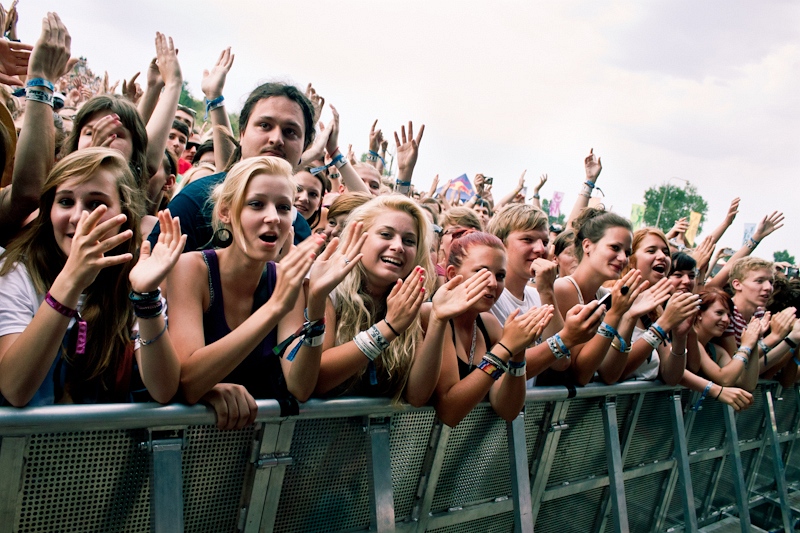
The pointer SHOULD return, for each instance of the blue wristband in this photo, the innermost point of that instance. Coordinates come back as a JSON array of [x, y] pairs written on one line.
[[561, 345], [213, 104], [40, 82], [696, 406]]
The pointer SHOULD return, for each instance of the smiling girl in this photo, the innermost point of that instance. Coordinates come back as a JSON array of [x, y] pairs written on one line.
[[66, 321], [459, 325], [232, 307], [308, 200], [375, 339]]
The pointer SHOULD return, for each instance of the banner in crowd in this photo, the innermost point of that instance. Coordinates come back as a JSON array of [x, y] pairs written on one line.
[[637, 216], [749, 230], [691, 231], [461, 186], [555, 204]]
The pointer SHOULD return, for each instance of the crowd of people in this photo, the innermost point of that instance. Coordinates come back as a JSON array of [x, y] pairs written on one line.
[[147, 257]]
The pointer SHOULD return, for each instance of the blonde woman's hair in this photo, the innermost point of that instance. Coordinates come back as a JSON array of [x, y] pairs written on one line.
[[230, 193], [356, 310]]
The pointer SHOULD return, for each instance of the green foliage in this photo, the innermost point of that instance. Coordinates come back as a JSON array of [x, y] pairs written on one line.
[[677, 203], [560, 219], [783, 256], [198, 105]]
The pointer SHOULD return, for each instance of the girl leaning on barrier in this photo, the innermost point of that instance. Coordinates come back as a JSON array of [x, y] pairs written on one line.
[[602, 245], [66, 286], [237, 316], [479, 356], [656, 326], [374, 345]]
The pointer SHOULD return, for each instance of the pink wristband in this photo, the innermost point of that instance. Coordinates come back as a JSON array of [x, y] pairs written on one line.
[[80, 347]]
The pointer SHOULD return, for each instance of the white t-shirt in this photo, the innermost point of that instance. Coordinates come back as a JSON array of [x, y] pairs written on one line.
[[507, 302], [648, 370]]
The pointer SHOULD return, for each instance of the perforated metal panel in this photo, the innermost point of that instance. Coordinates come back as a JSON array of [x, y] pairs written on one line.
[[750, 422], [408, 440], [581, 450], [785, 411], [476, 466], [214, 466], [709, 427], [644, 496], [534, 420], [652, 437], [326, 488], [502, 523], [575, 514], [85, 481]]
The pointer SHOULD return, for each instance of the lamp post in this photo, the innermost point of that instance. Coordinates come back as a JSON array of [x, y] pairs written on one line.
[[664, 198]]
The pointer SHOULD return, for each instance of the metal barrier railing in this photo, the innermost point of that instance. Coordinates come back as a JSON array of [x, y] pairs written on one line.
[[628, 457]]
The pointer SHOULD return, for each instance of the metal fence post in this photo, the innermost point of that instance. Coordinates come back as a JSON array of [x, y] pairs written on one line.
[[429, 476], [380, 474], [681, 455], [777, 459], [166, 481], [614, 459], [735, 454], [520, 484]]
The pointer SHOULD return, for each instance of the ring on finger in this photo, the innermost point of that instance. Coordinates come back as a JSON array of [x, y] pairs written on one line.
[[624, 290], [346, 261]]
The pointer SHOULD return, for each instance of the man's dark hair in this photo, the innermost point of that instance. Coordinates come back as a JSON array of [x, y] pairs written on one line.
[[268, 90], [181, 127], [205, 147]]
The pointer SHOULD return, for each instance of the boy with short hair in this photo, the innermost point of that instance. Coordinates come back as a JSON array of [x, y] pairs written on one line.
[[523, 229]]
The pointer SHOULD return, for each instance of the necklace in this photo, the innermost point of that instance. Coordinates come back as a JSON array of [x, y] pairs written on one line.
[[472, 348]]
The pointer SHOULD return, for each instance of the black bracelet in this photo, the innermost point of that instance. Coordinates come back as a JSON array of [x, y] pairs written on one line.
[[790, 342], [144, 297], [391, 328], [505, 348], [720, 392]]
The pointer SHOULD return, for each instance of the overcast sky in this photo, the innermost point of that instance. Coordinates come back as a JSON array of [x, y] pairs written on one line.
[[702, 91]]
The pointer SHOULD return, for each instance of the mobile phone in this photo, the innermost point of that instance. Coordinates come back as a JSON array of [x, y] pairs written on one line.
[[488, 181], [524, 192], [606, 301]]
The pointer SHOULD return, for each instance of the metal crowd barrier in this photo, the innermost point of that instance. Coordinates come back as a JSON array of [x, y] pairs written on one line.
[[629, 457]]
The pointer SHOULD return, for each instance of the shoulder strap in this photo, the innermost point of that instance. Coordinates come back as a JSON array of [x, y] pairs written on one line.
[[484, 332], [212, 263], [575, 284]]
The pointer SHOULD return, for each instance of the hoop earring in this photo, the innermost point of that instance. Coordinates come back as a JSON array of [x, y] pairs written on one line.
[[222, 238]]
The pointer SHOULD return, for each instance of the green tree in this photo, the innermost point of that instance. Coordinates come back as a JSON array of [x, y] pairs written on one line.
[[783, 256], [677, 203], [560, 219]]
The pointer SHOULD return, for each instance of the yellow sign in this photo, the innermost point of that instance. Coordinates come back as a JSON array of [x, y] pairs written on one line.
[[691, 232]]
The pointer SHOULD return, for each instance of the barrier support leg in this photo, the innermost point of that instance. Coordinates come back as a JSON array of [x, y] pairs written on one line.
[[166, 481], [614, 459], [520, 484], [429, 476], [777, 460], [540, 467], [380, 475], [11, 461], [681, 455], [735, 456]]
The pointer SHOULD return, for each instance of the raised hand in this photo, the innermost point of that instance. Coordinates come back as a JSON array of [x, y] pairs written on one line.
[[132, 90], [753, 332], [151, 268], [679, 308], [105, 130], [521, 182], [733, 210], [620, 303], [154, 75], [542, 181], [781, 323], [167, 60], [679, 228], [338, 259], [408, 149], [316, 151], [648, 300], [768, 224], [92, 240], [520, 330], [592, 165], [375, 137], [333, 137], [235, 407], [14, 59], [434, 185], [457, 295], [292, 272], [317, 101], [405, 299], [702, 254], [214, 81], [50, 57]]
